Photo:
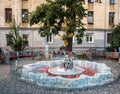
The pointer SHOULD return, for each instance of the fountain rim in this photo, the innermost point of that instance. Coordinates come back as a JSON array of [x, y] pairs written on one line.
[[69, 88], [67, 72]]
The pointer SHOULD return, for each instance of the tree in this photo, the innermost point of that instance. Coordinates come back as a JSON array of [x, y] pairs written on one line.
[[60, 15], [115, 38], [16, 42]]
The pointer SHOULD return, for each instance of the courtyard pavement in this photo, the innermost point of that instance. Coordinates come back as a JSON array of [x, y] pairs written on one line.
[[10, 85]]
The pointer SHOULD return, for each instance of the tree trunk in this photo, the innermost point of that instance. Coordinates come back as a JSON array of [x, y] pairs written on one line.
[[69, 46]]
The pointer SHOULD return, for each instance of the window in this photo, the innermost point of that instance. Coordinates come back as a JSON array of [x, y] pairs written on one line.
[[98, 1], [24, 15], [112, 1], [90, 1], [111, 17], [109, 38], [24, 0], [7, 39], [89, 38], [8, 15], [49, 39], [25, 37], [90, 17]]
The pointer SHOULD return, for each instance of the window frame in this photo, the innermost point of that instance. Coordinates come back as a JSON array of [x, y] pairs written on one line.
[[89, 35], [49, 39], [25, 18], [111, 18], [90, 18], [8, 15], [90, 1], [109, 38], [24, 0], [112, 1], [25, 37]]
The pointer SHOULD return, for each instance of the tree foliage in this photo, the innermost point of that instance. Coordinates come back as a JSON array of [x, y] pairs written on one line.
[[60, 15], [115, 38], [16, 42]]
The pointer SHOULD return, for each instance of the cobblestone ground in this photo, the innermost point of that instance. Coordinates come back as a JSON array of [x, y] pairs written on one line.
[[10, 85]]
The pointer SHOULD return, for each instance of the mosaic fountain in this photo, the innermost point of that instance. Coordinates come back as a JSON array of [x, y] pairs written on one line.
[[67, 73]]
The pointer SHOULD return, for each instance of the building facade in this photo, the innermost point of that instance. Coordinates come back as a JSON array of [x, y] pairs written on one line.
[[102, 16]]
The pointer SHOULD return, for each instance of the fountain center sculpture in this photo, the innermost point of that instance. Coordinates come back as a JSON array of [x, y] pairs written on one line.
[[67, 63]]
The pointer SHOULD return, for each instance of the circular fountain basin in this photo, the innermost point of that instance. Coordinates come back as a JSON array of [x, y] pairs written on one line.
[[61, 71], [84, 74]]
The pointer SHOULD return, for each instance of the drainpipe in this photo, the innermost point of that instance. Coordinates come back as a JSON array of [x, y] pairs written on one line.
[[16, 16], [105, 39], [105, 28]]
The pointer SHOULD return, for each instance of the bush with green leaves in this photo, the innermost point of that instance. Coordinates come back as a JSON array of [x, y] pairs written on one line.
[[115, 39], [16, 42]]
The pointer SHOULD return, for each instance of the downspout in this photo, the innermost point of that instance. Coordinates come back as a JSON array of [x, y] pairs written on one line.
[[16, 16], [105, 28], [105, 38]]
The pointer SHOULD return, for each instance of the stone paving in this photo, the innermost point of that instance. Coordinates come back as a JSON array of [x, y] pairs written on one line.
[[10, 85]]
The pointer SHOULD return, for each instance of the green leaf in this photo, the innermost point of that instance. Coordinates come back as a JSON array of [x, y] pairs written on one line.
[[53, 15]]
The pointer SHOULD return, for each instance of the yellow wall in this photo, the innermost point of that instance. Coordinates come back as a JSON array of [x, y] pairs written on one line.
[[101, 12]]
